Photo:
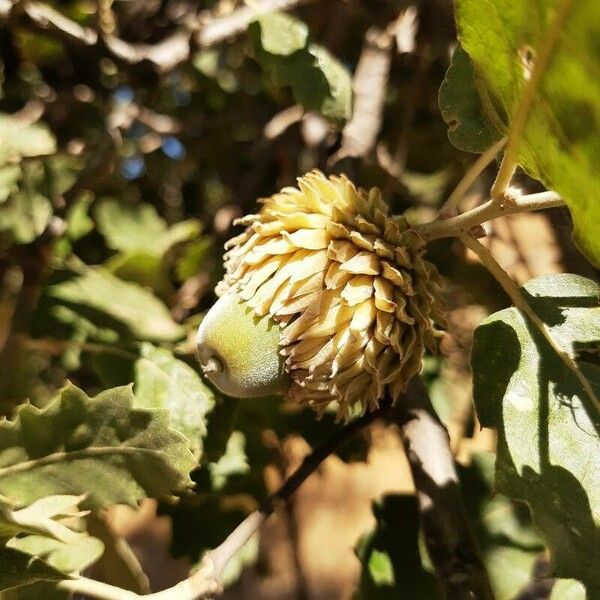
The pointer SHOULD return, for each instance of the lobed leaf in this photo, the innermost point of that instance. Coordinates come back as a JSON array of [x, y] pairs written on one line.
[[19, 568], [103, 447]]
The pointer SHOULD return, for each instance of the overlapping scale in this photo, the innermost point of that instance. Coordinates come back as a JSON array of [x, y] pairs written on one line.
[[347, 281]]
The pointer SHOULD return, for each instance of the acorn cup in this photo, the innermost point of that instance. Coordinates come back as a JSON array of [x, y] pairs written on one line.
[[326, 297]]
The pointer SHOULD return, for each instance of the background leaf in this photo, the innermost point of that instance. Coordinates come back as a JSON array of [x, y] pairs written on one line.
[[144, 315], [19, 139], [469, 128], [394, 559], [318, 80], [138, 228]]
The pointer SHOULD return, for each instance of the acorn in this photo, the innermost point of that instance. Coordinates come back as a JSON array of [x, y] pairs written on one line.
[[326, 297], [239, 350]]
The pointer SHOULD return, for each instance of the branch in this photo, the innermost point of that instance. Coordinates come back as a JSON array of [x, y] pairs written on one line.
[[369, 85], [218, 30], [469, 178], [164, 55], [207, 580], [459, 569], [467, 221], [518, 299], [33, 260]]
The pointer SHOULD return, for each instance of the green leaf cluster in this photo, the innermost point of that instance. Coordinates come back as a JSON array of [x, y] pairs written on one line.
[[319, 82]]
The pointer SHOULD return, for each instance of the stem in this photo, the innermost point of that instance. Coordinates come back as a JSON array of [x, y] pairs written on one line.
[[469, 178], [119, 563], [459, 568], [206, 581], [518, 299], [54, 346], [33, 261], [519, 118], [465, 222]]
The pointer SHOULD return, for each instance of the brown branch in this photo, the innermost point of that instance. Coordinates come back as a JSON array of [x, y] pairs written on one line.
[[164, 55], [459, 569], [369, 86], [33, 260]]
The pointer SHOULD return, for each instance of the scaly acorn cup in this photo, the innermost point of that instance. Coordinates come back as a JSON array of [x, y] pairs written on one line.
[[344, 281]]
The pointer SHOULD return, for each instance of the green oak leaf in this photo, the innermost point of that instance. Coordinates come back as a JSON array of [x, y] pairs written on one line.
[[163, 381], [138, 228], [19, 139], [25, 215], [508, 543], [233, 462], [568, 589], [507, 42], [469, 128], [103, 447], [548, 446], [318, 80], [41, 518], [393, 565], [79, 223], [19, 568], [142, 313], [281, 34], [71, 557]]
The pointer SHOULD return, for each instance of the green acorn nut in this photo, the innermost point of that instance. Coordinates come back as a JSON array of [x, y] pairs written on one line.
[[239, 352]]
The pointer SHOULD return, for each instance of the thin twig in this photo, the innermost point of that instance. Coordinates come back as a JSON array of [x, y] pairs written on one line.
[[33, 261], [465, 222], [519, 118], [451, 204], [459, 568], [219, 30], [518, 299], [207, 580], [58, 347], [118, 562]]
